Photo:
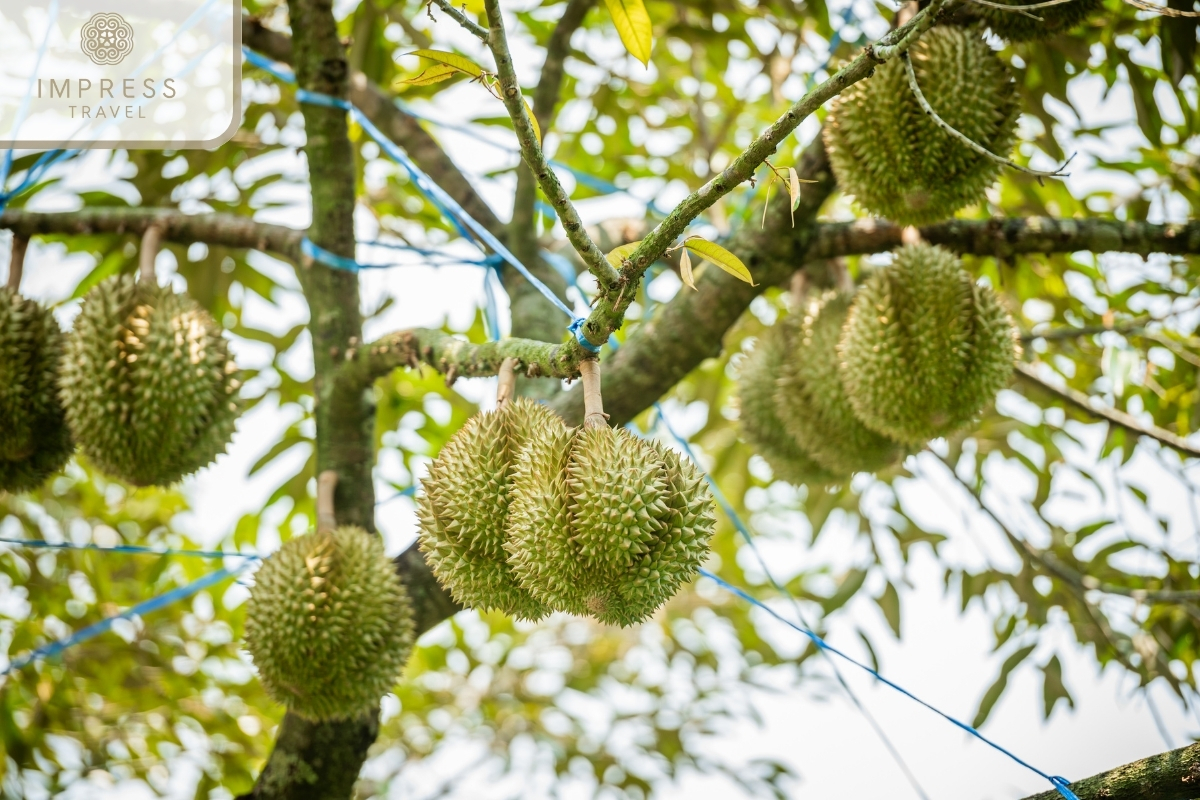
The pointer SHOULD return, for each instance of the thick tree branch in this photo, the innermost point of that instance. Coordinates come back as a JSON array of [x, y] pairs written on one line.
[[1028, 374], [380, 108], [229, 230], [1167, 776], [1004, 237], [535, 158]]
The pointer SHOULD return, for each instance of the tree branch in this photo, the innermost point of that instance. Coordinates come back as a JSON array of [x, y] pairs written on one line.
[[471, 26], [535, 159], [1027, 373], [1005, 237], [1167, 776]]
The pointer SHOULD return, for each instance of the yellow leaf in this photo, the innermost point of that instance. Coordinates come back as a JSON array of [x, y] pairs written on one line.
[[793, 191], [633, 25], [473, 6], [537, 130], [685, 269], [721, 257], [460, 63], [435, 74], [618, 256]]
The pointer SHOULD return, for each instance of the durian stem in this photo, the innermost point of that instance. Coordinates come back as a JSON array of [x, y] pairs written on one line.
[[151, 243], [978, 148], [327, 483], [593, 403], [16, 264], [507, 383]]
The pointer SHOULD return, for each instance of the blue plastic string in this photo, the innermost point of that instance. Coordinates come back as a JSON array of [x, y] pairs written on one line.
[[105, 625], [1061, 784], [131, 549]]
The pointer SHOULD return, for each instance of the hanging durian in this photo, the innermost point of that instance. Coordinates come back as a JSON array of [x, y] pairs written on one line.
[[760, 424], [463, 508], [811, 402], [148, 383], [894, 159], [925, 347], [603, 522], [1018, 27], [328, 624], [34, 439]]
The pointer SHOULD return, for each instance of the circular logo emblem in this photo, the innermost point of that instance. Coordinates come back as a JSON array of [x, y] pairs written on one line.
[[107, 39]]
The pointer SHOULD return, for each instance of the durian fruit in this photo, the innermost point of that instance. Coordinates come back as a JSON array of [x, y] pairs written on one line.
[[894, 159], [328, 624], [1017, 27], [34, 439], [464, 505], [925, 347], [811, 402], [760, 424], [148, 383], [605, 523]]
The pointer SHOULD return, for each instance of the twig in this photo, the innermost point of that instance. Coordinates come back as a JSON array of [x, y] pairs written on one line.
[[1065, 332], [16, 264], [1070, 575], [593, 402], [507, 383], [1117, 417], [151, 243], [978, 148], [1163, 10], [472, 27], [327, 483]]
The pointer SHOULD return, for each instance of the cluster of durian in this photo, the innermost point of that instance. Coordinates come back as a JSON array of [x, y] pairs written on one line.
[[886, 151], [856, 383], [1041, 23], [144, 384], [524, 515], [329, 624]]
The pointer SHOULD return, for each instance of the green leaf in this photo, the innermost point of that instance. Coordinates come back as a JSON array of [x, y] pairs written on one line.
[[889, 604], [452, 60], [721, 257], [849, 587], [435, 74], [1001, 683], [1053, 688], [633, 25], [685, 270], [617, 256]]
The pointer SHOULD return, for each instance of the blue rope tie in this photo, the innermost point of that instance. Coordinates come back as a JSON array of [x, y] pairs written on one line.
[[1061, 784], [105, 625], [126, 548]]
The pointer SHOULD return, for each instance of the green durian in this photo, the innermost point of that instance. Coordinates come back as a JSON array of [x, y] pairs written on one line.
[[894, 159], [148, 383], [34, 439], [605, 523], [810, 400], [925, 347], [760, 424], [328, 624], [1017, 27], [464, 505]]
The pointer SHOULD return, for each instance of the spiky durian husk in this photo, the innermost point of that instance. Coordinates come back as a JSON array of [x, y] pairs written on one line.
[[607, 524], [925, 348], [34, 439], [761, 426], [328, 624], [149, 386], [897, 163], [1017, 27], [464, 506], [811, 402]]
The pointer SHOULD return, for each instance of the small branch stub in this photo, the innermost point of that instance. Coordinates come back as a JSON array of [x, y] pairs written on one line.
[[327, 483], [16, 265], [507, 384], [151, 243], [593, 403]]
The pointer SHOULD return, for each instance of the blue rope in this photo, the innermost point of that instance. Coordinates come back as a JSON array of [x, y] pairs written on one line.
[[1061, 784], [126, 548], [105, 625]]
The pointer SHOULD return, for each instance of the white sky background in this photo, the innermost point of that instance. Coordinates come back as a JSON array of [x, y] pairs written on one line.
[[945, 657]]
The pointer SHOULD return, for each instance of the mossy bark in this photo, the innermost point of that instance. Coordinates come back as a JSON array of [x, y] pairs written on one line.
[[1167, 776]]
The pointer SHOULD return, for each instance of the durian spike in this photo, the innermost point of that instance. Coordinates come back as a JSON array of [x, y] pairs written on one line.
[[593, 403], [506, 387], [16, 265], [327, 483], [151, 243]]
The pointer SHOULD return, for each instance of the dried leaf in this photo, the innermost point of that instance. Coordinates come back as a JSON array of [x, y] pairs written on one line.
[[721, 257], [618, 256], [634, 27], [685, 269], [793, 191]]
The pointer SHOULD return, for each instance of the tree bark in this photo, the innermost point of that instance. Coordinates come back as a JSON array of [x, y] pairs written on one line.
[[1167, 776]]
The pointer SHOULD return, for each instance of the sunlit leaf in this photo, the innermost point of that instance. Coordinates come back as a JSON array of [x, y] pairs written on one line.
[[685, 269], [435, 74], [618, 256], [721, 257], [633, 26], [454, 60]]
